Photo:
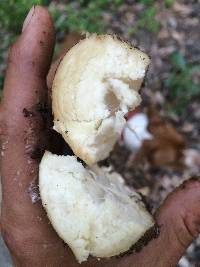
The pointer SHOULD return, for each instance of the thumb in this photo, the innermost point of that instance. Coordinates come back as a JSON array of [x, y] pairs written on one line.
[[179, 222]]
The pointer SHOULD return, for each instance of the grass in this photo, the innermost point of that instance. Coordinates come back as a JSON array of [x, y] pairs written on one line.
[[86, 16], [147, 2], [169, 3], [147, 20], [12, 13], [181, 86]]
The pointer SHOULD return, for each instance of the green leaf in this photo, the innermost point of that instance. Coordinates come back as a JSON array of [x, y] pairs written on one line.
[[178, 60], [181, 86], [169, 3], [146, 2], [147, 20]]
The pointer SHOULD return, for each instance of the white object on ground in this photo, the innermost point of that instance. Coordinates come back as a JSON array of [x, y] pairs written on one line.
[[135, 131], [192, 158]]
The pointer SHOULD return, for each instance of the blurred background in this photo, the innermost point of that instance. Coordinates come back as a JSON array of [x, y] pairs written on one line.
[[160, 145]]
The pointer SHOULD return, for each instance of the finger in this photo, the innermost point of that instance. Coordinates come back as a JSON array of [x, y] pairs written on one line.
[[179, 222], [24, 91], [28, 63], [24, 224]]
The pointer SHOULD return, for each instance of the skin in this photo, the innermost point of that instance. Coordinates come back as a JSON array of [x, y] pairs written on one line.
[[24, 225]]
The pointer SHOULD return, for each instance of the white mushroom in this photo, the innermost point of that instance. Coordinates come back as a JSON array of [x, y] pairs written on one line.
[[90, 208]]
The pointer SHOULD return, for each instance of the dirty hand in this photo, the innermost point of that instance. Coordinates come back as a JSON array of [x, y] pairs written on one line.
[[24, 225]]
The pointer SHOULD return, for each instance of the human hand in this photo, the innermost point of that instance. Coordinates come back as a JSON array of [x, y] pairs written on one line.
[[24, 134]]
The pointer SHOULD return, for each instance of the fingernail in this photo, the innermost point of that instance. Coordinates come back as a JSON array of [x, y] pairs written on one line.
[[28, 18]]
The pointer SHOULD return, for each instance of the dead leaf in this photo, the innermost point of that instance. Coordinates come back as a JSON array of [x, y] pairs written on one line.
[[182, 9]]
